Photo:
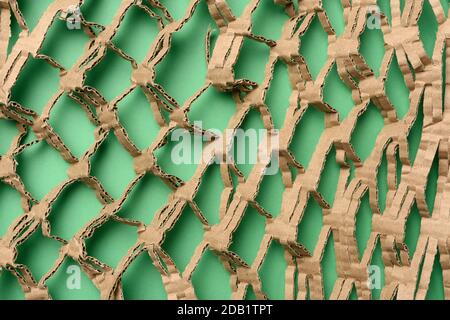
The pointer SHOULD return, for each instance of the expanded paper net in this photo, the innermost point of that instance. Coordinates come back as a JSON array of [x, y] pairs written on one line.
[[405, 273]]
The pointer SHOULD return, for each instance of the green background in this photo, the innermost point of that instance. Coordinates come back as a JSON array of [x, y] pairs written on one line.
[[181, 73]]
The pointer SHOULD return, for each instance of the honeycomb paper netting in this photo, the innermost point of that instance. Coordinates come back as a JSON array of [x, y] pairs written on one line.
[[406, 275]]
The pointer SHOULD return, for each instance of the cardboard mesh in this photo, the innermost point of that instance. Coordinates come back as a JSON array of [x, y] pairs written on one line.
[[424, 77]]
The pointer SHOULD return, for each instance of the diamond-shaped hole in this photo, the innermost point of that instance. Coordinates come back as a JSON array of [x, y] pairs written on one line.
[[369, 125], [335, 13], [428, 27], [310, 226], [246, 240], [382, 183], [399, 168], [183, 70], [15, 31], [36, 84], [14, 290], [74, 208], [33, 10], [385, 8], [206, 114], [270, 194], [137, 117], [77, 285], [252, 61], [445, 6], [113, 166], [250, 295], [272, 272], [100, 11], [183, 239], [38, 253], [415, 134], [329, 177], [337, 94], [63, 44], [328, 265], [277, 98], [41, 168], [436, 287], [71, 123], [314, 47], [8, 131], [10, 206], [246, 142], [412, 230], [372, 48], [237, 6], [396, 89], [431, 188], [146, 198], [181, 155], [377, 268], [353, 294], [142, 281], [111, 76], [363, 224], [209, 194], [210, 270], [382, 179], [402, 5], [307, 135], [176, 9], [143, 27], [269, 11], [111, 242]]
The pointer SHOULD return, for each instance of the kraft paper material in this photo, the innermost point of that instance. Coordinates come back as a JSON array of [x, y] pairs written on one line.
[[424, 77]]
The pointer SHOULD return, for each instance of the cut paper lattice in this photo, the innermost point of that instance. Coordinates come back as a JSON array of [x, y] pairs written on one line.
[[424, 78]]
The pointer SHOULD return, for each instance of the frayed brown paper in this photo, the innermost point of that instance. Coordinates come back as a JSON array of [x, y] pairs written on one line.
[[423, 76]]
